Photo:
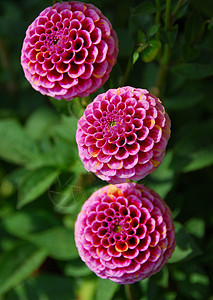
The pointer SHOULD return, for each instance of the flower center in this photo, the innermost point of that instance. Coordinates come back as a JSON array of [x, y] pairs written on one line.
[[112, 123], [118, 228]]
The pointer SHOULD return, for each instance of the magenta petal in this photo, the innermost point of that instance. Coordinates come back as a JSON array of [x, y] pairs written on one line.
[[88, 24], [96, 36], [115, 164], [68, 82], [122, 154], [102, 51], [130, 162], [132, 147], [121, 261], [126, 173], [110, 149], [103, 158], [54, 76], [114, 237], [62, 36], [147, 145], [100, 69]]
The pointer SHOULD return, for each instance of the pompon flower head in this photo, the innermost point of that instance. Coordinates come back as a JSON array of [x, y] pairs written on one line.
[[69, 50], [125, 232], [123, 134]]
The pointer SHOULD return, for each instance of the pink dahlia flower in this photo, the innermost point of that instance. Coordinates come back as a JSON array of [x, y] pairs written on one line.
[[125, 232], [123, 134], [69, 50]]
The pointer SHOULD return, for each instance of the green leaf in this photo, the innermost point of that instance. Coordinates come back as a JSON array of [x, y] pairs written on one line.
[[106, 289], [36, 183], [193, 25], [196, 227], [40, 121], [135, 57], [16, 145], [67, 199], [17, 176], [66, 129], [169, 36], [23, 224], [194, 70], [18, 263], [87, 290], [204, 6], [194, 150], [58, 242], [62, 155], [49, 287], [60, 105], [162, 179], [146, 7], [153, 30], [185, 248], [77, 268], [150, 52], [184, 98]]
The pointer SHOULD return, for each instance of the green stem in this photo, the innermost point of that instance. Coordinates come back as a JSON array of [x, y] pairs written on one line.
[[127, 71], [129, 292], [157, 17], [177, 8], [163, 69], [167, 14], [166, 54]]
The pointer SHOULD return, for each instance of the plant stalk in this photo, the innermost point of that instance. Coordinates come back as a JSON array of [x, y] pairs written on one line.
[[129, 292]]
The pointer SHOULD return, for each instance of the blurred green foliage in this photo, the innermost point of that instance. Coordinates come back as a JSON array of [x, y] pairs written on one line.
[[44, 184]]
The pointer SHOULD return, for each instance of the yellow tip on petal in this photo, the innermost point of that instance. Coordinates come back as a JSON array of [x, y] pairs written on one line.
[[121, 246], [118, 91], [98, 76], [155, 163], [94, 153], [114, 191], [97, 164]]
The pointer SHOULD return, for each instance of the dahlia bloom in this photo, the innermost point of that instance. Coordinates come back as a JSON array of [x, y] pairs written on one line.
[[123, 134], [125, 232], [69, 50]]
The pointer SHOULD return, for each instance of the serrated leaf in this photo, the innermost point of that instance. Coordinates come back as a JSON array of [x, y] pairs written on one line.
[[16, 145], [58, 242], [36, 183], [18, 263], [186, 247]]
